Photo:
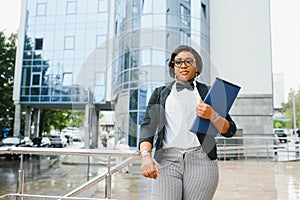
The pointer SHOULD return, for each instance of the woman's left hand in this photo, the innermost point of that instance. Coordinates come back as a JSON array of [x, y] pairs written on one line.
[[205, 111]]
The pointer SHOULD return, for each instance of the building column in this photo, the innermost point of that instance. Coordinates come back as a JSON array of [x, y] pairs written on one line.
[[88, 120], [17, 120], [37, 114], [27, 129], [95, 128]]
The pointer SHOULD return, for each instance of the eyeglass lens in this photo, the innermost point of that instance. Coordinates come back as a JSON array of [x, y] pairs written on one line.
[[188, 62]]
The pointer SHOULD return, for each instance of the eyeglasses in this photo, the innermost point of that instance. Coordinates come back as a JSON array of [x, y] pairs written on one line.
[[188, 62]]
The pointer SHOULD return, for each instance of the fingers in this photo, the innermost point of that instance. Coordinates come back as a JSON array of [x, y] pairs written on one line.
[[150, 169], [204, 110], [150, 173]]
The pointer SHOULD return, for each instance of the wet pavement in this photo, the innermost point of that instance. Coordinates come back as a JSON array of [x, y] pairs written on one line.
[[240, 180], [243, 180]]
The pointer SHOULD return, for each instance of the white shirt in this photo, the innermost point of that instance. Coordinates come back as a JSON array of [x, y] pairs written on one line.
[[180, 114]]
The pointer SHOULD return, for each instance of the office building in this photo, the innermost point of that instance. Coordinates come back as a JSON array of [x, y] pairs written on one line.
[[111, 54]]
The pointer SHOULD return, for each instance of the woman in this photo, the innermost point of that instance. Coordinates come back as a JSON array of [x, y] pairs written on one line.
[[184, 164]]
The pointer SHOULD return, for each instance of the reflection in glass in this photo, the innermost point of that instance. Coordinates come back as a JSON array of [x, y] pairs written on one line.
[[57, 45]]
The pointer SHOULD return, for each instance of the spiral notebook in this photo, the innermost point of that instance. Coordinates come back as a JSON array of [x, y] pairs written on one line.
[[220, 97]]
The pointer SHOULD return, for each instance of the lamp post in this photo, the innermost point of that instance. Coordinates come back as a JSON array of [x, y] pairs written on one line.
[[294, 112]]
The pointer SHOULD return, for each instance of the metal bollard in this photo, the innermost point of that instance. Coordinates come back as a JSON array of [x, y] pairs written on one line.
[[108, 186], [108, 181], [20, 189]]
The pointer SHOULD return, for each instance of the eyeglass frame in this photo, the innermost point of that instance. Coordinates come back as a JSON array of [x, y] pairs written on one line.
[[184, 61]]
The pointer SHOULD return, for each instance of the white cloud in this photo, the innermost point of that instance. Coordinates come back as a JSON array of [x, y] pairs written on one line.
[[10, 11], [285, 17]]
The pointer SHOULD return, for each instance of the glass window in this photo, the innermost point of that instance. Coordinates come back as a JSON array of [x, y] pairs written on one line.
[[132, 138], [168, 41], [99, 96], [101, 41], [26, 76], [146, 57], [147, 6], [38, 44], [133, 100], [141, 117], [35, 80], [146, 21], [143, 98], [71, 7], [69, 42], [184, 15], [158, 57], [203, 7], [134, 74], [185, 37], [41, 9], [102, 6], [67, 79]]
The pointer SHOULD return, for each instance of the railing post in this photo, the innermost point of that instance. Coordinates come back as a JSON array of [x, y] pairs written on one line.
[[21, 179], [108, 181], [288, 150], [267, 151], [224, 149]]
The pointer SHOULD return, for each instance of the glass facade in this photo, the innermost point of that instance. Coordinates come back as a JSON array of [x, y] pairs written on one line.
[[70, 45], [65, 51], [146, 32]]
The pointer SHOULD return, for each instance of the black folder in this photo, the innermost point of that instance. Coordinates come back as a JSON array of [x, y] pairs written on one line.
[[220, 97]]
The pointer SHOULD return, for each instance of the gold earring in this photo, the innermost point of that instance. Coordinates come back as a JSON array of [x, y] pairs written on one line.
[[196, 76]]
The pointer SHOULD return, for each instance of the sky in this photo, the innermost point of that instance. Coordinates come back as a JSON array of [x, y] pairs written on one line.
[[285, 32]]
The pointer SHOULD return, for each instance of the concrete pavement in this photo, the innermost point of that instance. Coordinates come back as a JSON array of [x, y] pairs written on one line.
[[240, 180]]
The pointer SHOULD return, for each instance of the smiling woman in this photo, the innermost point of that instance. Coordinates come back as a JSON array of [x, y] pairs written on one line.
[[184, 163]]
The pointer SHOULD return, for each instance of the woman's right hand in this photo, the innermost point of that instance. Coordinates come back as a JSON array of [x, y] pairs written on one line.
[[149, 167]]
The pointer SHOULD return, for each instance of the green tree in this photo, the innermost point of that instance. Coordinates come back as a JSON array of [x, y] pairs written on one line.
[[76, 118], [57, 119], [287, 109], [7, 67]]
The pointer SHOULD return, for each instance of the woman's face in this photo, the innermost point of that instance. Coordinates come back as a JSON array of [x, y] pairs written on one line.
[[185, 71]]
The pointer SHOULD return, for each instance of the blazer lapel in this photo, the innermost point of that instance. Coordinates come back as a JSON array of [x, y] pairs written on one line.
[[202, 89]]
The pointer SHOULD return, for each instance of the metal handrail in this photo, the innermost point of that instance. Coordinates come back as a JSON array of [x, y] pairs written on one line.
[[223, 149], [131, 157], [267, 150], [68, 151], [47, 197], [101, 177]]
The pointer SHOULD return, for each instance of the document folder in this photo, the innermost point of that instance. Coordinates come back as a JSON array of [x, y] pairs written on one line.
[[220, 97]]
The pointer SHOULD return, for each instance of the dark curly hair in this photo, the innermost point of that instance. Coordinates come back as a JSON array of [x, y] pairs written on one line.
[[199, 63]]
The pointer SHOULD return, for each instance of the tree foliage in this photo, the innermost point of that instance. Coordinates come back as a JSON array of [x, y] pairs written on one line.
[[60, 119], [7, 67], [57, 119], [287, 109]]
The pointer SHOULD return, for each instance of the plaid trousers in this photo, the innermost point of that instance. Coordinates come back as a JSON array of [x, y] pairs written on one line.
[[185, 174]]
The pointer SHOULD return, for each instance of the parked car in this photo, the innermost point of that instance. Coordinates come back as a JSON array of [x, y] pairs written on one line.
[[58, 140], [77, 138], [12, 142], [282, 134], [41, 142], [68, 135]]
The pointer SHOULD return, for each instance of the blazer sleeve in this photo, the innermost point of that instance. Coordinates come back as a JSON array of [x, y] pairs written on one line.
[[232, 127], [150, 121]]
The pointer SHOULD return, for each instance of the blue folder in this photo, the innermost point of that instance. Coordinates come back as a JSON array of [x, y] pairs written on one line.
[[220, 97]]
